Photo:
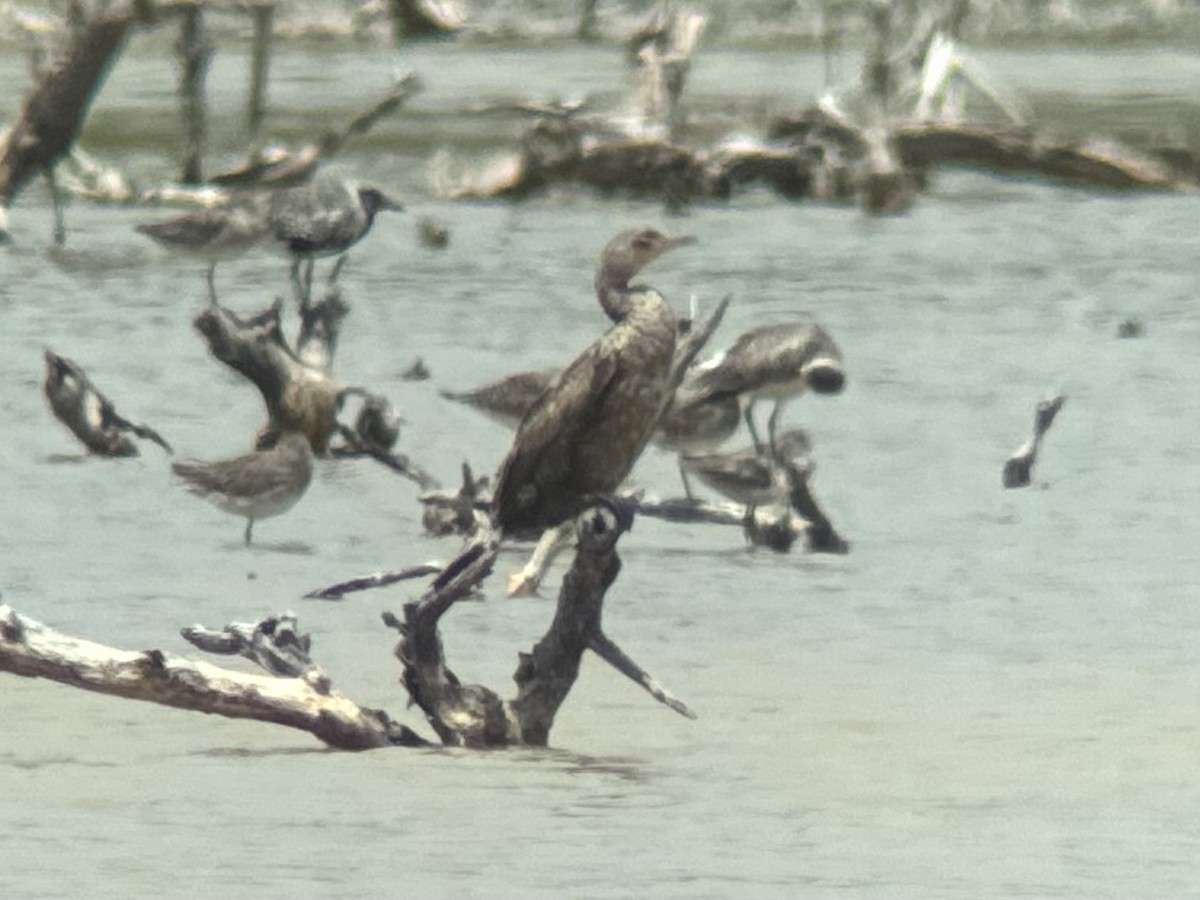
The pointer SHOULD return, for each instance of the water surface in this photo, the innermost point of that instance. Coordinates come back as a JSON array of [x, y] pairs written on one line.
[[993, 695]]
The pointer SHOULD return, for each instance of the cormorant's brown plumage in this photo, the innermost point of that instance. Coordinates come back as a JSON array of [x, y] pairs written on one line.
[[583, 434]]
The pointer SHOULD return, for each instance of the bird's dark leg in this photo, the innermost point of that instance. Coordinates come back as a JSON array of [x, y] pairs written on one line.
[[748, 415], [212, 283], [249, 525], [297, 285], [771, 423], [337, 268], [687, 487], [309, 266], [60, 228]]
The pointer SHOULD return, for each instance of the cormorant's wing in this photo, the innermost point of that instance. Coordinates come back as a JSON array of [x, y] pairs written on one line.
[[543, 451]]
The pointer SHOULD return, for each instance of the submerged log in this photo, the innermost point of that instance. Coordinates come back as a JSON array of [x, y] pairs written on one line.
[[1023, 151], [33, 650]]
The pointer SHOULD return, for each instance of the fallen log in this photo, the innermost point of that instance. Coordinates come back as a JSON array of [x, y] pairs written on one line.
[[308, 702]]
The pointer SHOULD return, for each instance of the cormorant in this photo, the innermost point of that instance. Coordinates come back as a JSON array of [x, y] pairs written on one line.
[[582, 436]]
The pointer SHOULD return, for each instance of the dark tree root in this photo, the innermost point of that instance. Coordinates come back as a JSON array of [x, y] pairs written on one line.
[[475, 716]]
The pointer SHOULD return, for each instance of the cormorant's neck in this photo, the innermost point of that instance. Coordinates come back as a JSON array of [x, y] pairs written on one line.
[[614, 293]]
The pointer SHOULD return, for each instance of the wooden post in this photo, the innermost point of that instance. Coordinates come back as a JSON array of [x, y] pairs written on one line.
[[195, 52], [264, 15]]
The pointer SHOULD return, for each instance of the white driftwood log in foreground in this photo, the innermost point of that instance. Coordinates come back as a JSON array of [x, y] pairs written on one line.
[[34, 650]]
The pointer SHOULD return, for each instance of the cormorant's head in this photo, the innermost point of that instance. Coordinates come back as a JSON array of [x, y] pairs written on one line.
[[631, 251]]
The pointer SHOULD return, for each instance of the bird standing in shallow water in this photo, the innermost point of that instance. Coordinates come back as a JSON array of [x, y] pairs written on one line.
[[776, 362], [748, 476], [256, 485], [214, 234], [583, 434], [691, 427], [506, 400], [323, 218]]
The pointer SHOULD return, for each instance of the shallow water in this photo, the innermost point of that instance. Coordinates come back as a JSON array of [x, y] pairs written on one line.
[[993, 695]]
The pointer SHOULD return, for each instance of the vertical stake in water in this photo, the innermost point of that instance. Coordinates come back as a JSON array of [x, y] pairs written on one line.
[[194, 52], [256, 106]]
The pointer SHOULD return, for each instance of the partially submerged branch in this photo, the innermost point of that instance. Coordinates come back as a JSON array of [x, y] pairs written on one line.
[[474, 716], [33, 650], [90, 416]]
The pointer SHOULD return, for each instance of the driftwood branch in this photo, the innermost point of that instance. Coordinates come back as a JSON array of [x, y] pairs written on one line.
[[380, 579], [1018, 469], [297, 397], [33, 650], [273, 643], [289, 168], [90, 415], [54, 110], [475, 716]]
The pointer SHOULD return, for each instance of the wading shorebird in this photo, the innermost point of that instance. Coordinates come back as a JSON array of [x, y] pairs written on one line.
[[776, 361], [323, 218], [506, 400], [692, 427], [255, 485], [748, 476], [213, 234], [581, 437]]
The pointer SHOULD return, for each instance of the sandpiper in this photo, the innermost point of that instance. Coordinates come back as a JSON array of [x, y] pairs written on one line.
[[323, 218], [507, 399], [256, 485], [693, 427], [749, 476], [583, 434], [213, 234], [776, 361]]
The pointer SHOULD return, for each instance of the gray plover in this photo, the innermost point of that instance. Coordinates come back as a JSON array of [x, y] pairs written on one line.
[[507, 399], [775, 361], [255, 485], [582, 436], [325, 217], [748, 476], [213, 234], [694, 427], [89, 415]]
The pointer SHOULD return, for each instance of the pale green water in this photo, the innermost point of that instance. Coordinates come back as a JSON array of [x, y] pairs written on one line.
[[994, 695]]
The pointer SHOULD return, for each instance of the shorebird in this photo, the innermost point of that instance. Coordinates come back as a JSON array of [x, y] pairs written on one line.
[[507, 399], [90, 416], [776, 361], [749, 476], [692, 427], [213, 234], [323, 218], [583, 434], [256, 485]]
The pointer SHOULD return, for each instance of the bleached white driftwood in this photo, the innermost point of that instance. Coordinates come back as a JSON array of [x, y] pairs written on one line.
[[34, 650]]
